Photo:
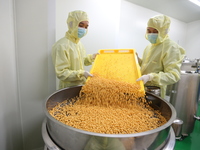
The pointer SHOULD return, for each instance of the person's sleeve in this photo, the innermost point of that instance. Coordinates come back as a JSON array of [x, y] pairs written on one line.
[[62, 65], [171, 62], [145, 52], [139, 59], [88, 60]]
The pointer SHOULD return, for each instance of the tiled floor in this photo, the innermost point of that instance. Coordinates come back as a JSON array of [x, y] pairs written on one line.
[[192, 142]]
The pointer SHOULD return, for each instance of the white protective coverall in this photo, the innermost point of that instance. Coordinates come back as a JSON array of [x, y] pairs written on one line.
[[162, 60], [68, 54]]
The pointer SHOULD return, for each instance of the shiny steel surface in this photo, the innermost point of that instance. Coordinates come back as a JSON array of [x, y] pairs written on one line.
[[47, 140], [50, 145], [153, 89], [187, 66], [177, 127], [184, 97], [172, 140], [70, 138]]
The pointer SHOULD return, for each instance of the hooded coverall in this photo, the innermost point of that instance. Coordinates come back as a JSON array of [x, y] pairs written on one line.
[[162, 60], [68, 54]]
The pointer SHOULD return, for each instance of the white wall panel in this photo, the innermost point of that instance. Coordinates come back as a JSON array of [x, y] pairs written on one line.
[[10, 120], [193, 39], [35, 25]]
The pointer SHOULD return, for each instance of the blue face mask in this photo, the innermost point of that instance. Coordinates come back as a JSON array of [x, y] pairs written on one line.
[[152, 37], [81, 32]]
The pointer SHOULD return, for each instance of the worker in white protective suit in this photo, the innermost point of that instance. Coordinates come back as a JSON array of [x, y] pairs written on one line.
[[68, 53], [162, 59]]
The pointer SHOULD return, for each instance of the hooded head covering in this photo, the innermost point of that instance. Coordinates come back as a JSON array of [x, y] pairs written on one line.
[[162, 24], [73, 20]]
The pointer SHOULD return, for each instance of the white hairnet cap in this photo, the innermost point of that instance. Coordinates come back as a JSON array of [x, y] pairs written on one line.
[[75, 17], [73, 20], [162, 24]]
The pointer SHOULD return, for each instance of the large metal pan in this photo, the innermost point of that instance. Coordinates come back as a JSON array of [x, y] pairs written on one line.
[[70, 138]]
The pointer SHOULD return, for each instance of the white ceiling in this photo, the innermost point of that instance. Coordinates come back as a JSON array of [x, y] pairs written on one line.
[[182, 10]]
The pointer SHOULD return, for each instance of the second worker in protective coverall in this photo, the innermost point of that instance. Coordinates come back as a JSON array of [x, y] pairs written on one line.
[[68, 53], [162, 59]]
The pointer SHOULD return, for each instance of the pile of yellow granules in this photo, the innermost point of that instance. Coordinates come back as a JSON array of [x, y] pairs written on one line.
[[110, 107]]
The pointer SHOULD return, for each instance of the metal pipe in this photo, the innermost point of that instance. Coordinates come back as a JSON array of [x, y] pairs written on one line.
[[197, 117], [198, 66]]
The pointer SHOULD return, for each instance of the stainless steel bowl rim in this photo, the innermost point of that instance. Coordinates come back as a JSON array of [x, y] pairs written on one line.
[[170, 121]]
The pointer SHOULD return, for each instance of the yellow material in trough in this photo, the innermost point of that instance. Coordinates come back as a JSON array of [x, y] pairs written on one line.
[[118, 64]]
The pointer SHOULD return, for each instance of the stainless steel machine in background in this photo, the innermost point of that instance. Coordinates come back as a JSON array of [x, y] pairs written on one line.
[[184, 96]]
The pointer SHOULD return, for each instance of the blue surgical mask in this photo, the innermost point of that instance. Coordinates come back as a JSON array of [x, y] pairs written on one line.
[[81, 32], [152, 37]]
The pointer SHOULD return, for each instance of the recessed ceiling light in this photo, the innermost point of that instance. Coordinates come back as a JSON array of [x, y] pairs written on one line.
[[197, 2]]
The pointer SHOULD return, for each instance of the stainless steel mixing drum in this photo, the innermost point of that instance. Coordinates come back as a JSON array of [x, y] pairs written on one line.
[[51, 145], [70, 138], [184, 97]]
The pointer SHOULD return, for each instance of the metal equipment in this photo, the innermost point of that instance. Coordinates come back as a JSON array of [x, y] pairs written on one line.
[[184, 96], [51, 145], [69, 138]]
